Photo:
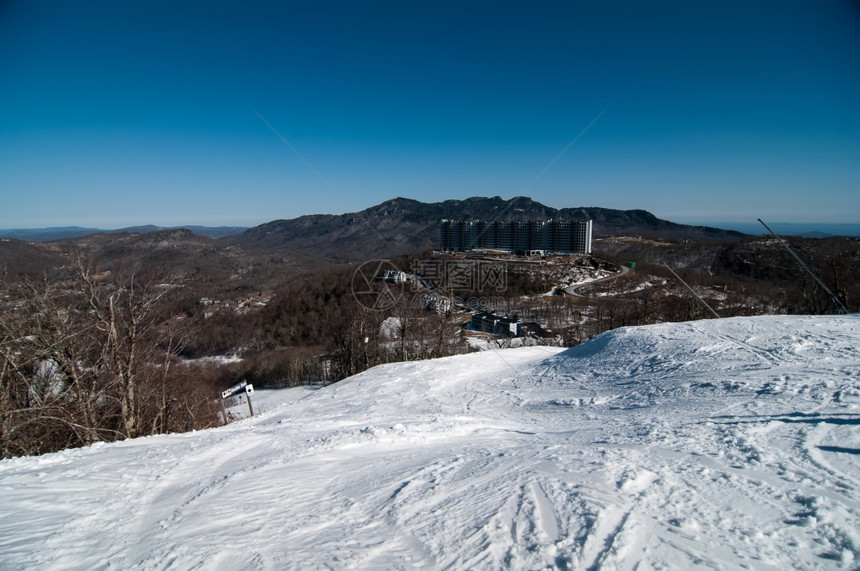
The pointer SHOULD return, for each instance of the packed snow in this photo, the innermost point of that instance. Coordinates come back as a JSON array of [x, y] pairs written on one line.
[[726, 444]]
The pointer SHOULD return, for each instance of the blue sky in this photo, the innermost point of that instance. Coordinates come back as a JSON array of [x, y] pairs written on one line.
[[121, 113]]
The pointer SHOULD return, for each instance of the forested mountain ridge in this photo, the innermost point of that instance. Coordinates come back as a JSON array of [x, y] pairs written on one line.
[[402, 226]]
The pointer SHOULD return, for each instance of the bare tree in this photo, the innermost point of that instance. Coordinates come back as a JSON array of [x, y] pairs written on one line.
[[91, 357]]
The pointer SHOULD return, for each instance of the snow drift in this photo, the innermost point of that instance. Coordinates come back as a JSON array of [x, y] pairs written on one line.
[[730, 444]]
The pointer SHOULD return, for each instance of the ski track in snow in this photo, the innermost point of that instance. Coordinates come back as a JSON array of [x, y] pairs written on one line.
[[730, 444]]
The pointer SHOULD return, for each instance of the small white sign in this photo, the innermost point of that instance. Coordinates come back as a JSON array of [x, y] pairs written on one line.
[[234, 389], [249, 389]]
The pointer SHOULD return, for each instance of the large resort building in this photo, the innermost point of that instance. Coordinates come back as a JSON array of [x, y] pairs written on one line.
[[525, 236]]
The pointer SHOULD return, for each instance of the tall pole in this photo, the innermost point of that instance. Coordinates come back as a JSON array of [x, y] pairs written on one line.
[[705, 303], [840, 309]]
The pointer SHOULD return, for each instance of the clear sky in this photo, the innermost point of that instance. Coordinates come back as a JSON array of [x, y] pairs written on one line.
[[121, 113]]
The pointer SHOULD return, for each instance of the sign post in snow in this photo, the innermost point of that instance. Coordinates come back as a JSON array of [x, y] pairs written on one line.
[[249, 389]]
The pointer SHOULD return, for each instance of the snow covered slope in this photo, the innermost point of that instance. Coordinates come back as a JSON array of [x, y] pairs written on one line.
[[714, 444]]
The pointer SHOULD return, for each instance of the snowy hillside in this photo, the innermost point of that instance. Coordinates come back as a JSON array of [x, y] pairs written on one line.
[[713, 444]]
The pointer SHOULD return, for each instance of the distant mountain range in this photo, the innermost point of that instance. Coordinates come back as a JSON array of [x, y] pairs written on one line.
[[810, 230], [65, 232], [402, 226]]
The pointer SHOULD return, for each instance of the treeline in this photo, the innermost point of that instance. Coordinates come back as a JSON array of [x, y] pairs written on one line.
[[316, 329], [95, 351], [756, 271], [93, 357]]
